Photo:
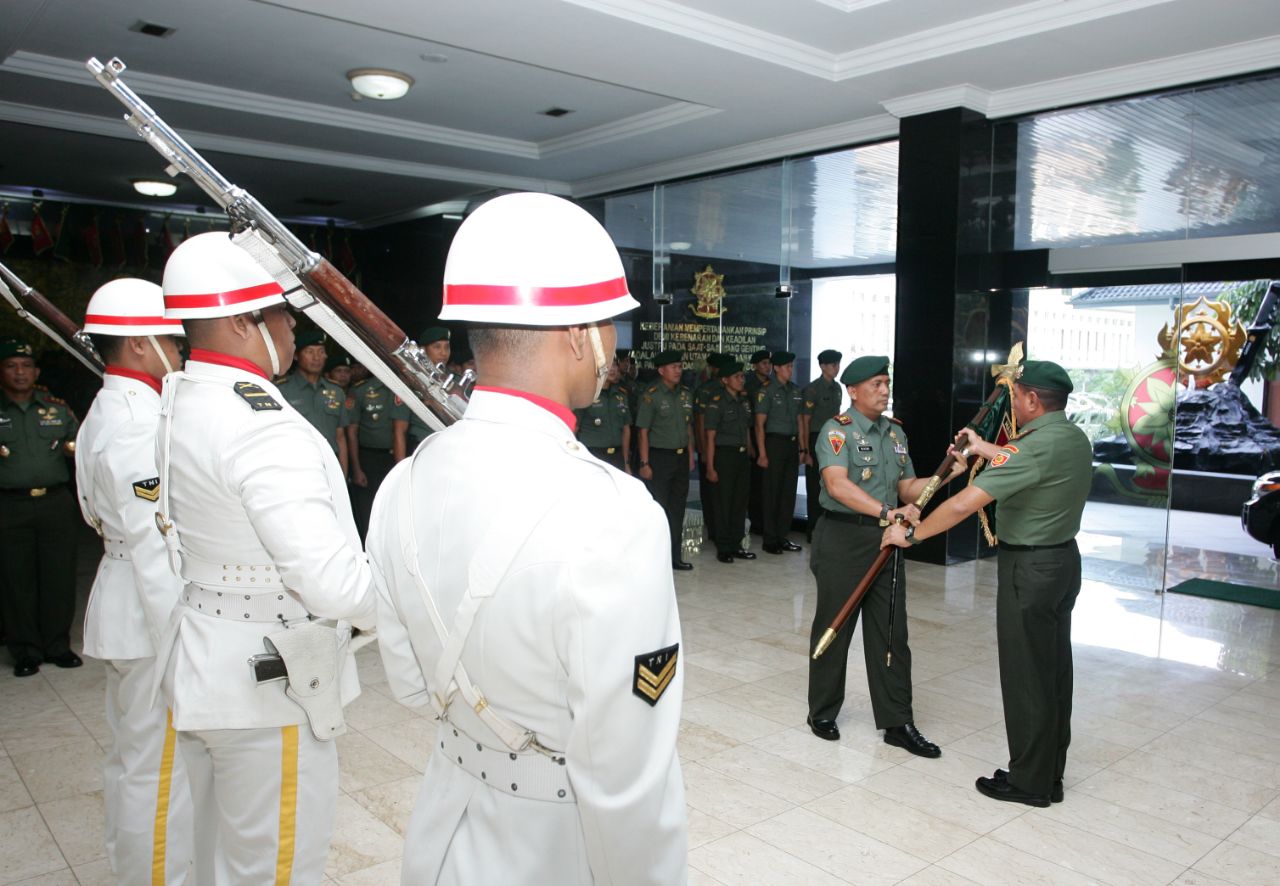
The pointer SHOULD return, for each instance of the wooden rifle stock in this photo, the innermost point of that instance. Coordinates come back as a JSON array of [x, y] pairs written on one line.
[[45, 316]]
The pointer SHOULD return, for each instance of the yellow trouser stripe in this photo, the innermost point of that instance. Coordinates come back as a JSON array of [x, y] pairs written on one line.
[[161, 830], [288, 802]]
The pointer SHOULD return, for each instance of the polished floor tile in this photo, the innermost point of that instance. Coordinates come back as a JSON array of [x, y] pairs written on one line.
[[1173, 776]]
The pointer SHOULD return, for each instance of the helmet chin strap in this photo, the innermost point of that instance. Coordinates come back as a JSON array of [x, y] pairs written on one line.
[[602, 365], [271, 345], [164, 361]]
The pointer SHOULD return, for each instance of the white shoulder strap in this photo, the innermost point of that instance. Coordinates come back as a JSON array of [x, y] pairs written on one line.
[[164, 520], [449, 677]]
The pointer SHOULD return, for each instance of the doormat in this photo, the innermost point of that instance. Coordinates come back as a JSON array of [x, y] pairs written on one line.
[[1221, 590]]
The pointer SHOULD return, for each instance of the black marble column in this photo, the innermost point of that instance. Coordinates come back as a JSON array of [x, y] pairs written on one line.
[[933, 152]]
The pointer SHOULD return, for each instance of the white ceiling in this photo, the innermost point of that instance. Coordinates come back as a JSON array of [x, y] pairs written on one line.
[[658, 89]]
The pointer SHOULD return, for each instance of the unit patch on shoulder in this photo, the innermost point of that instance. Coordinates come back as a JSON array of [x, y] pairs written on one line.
[[844, 419], [1010, 447], [259, 399], [654, 673], [1000, 458], [147, 490], [836, 439]]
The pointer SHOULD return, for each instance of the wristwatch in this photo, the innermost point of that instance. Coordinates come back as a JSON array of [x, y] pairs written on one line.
[[884, 512], [911, 536]]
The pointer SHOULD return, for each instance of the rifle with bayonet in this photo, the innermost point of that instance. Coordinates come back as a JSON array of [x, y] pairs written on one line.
[[311, 283], [45, 316], [1258, 332], [987, 423]]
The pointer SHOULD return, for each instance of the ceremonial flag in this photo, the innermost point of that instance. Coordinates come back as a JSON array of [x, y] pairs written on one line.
[[6, 233], [41, 239], [61, 244]]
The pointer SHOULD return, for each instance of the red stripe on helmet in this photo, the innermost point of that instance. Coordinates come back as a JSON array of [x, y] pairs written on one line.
[[220, 299], [108, 320], [538, 296]]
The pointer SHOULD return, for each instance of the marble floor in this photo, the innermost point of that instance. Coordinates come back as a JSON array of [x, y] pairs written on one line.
[[1172, 776]]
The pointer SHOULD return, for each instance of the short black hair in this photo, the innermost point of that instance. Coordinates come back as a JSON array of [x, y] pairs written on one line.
[[107, 346], [197, 330], [1052, 401], [505, 341]]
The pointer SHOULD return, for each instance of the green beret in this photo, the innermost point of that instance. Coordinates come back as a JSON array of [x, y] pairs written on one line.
[[433, 334], [830, 356], [335, 361], [667, 357], [1047, 375], [719, 361], [733, 367], [758, 356], [11, 347], [782, 358], [864, 368], [308, 338]]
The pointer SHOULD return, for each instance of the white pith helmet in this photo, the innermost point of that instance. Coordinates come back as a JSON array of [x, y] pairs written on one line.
[[210, 276], [129, 307], [533, 260]]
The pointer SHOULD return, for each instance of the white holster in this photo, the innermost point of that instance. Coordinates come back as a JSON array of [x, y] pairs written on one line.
[[313, 653]]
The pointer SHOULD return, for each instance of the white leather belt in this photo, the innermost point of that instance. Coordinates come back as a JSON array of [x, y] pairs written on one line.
[[115, 549], [239, 606], [249, 576], [531, 775]]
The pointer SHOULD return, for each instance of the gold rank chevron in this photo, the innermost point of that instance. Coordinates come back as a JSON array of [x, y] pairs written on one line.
[[653, 685]]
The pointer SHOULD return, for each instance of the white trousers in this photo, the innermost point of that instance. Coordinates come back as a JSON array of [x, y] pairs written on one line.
[[264, 804], [144, 785]]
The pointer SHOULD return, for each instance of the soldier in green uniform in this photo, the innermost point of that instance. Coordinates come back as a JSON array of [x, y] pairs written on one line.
[[38, 515], [374, 446], [1039, 481], [866, 473], [435, 340], [337, 369], [779, 449], [821, 404], [760, 376], [320, 401], [604, 427], [664, 423], [701, 394], [727, 422]]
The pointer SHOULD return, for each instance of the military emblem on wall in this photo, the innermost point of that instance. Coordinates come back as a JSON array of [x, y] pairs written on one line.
[[708, 289], [1207, 340]]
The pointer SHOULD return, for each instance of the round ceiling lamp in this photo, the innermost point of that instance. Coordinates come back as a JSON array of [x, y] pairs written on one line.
[[148, 188], [379, 84]]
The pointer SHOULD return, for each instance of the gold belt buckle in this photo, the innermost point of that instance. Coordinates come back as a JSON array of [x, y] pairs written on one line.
[[39, 491]]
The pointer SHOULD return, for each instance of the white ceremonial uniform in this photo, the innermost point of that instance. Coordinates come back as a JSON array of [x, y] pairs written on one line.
[[264, 525], [146, 797], [584, 598]]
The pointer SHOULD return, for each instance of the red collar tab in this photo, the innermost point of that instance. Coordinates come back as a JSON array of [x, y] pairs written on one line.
[[558, 410], [220, 359], [149, 380]]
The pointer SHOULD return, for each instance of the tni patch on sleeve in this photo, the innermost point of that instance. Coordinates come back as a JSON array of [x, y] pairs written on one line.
[[259, 399], [654, 673], [147, 490]]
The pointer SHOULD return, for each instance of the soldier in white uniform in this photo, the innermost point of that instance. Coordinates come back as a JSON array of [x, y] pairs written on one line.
[[144, 786], [254, 507], [525, 589]]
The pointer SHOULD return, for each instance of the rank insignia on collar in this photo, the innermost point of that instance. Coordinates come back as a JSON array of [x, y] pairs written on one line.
[[255, 396], [844, 419], [836, 439], [147, 490], [654, 673]]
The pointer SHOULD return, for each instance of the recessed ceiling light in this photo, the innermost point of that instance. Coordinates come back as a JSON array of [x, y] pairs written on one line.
[[435, 58], [555, 112], [148, 188], [151, 29], [379, 84], [681, 245]]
